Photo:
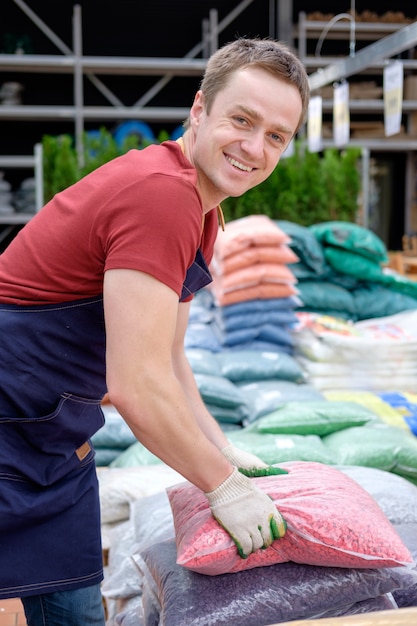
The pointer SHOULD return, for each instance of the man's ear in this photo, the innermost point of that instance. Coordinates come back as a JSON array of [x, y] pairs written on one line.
[[197, 108]]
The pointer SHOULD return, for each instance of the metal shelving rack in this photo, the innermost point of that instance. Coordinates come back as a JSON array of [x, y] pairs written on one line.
[[32, 162], [73, 62], [388, 40], [317, 66]]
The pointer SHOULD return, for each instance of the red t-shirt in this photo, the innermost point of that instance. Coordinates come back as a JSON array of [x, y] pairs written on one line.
[[141, 211]]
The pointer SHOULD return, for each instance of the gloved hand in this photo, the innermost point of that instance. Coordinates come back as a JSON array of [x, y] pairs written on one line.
[[248, 463], [246, 513]]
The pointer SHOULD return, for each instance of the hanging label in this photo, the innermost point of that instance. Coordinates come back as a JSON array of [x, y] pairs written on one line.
[[393, 97], [341, 115], [314, 124]]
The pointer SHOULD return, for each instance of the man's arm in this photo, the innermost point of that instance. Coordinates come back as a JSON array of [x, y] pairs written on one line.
[[156, 398], [159, 402], [238, 458], [185, 375]]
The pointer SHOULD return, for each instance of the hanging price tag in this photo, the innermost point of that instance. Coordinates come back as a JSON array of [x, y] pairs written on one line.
[[314, 124], [393, 97], [341, 115]]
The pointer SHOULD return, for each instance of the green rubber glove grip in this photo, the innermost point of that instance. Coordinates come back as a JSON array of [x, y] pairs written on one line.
[[256, 472]]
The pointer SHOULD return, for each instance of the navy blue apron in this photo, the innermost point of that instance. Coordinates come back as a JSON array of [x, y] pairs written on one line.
[[52, 380], [197, 277]]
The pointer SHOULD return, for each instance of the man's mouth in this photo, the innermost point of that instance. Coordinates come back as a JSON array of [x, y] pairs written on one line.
[[240, 166]]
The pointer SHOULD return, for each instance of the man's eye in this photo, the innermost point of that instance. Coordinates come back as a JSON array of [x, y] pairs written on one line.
[[240, 120], [277, 138]]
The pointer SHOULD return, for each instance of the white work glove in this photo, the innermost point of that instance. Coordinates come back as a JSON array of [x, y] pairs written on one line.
[[246, 513], [241, 458], [248, 463]]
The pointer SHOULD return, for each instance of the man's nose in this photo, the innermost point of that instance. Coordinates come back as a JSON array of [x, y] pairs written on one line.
[[253, 145]]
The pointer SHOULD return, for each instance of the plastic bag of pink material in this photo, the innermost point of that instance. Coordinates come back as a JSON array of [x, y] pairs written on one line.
[[252, 276], [243, 233], [278, 253], [262, 291], [331, 519]]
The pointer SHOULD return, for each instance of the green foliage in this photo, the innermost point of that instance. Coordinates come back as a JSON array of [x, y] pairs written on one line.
[[163, 136], [98, 149], [61, 167], [305, 188]]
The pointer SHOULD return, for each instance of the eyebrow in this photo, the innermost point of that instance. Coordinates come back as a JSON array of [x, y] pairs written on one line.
[[257, 116]]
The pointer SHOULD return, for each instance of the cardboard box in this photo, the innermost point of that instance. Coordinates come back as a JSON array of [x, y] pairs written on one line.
[[410, 87], [367, 90]]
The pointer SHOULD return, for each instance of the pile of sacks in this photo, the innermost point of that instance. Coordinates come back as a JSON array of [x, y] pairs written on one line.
[[342, 271], [156, 554], [375, 355], [253, 293]]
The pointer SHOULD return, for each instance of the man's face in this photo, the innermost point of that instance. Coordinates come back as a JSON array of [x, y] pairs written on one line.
[[239, 143]]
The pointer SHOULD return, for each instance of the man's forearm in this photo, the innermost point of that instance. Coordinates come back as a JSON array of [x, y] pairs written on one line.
[[205, 420]]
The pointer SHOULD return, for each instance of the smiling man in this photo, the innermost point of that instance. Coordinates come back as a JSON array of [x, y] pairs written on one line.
[[238, 140], [95, 294]]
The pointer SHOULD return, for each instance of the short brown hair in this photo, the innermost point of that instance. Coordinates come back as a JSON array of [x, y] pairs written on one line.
[[271, 55]]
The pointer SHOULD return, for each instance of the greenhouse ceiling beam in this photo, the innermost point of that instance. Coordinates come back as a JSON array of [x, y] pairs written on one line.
[[385, 48]]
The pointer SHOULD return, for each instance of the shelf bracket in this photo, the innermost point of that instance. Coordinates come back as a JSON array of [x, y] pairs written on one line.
[[385, 48]]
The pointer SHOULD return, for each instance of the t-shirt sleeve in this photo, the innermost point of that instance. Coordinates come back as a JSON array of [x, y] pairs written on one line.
[[154, 227]]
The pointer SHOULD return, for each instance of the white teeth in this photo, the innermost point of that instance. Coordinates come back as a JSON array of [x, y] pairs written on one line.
[[245, 168]]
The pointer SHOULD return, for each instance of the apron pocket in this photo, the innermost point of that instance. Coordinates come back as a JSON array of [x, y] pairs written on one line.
[[29, 514], [45, 449]]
